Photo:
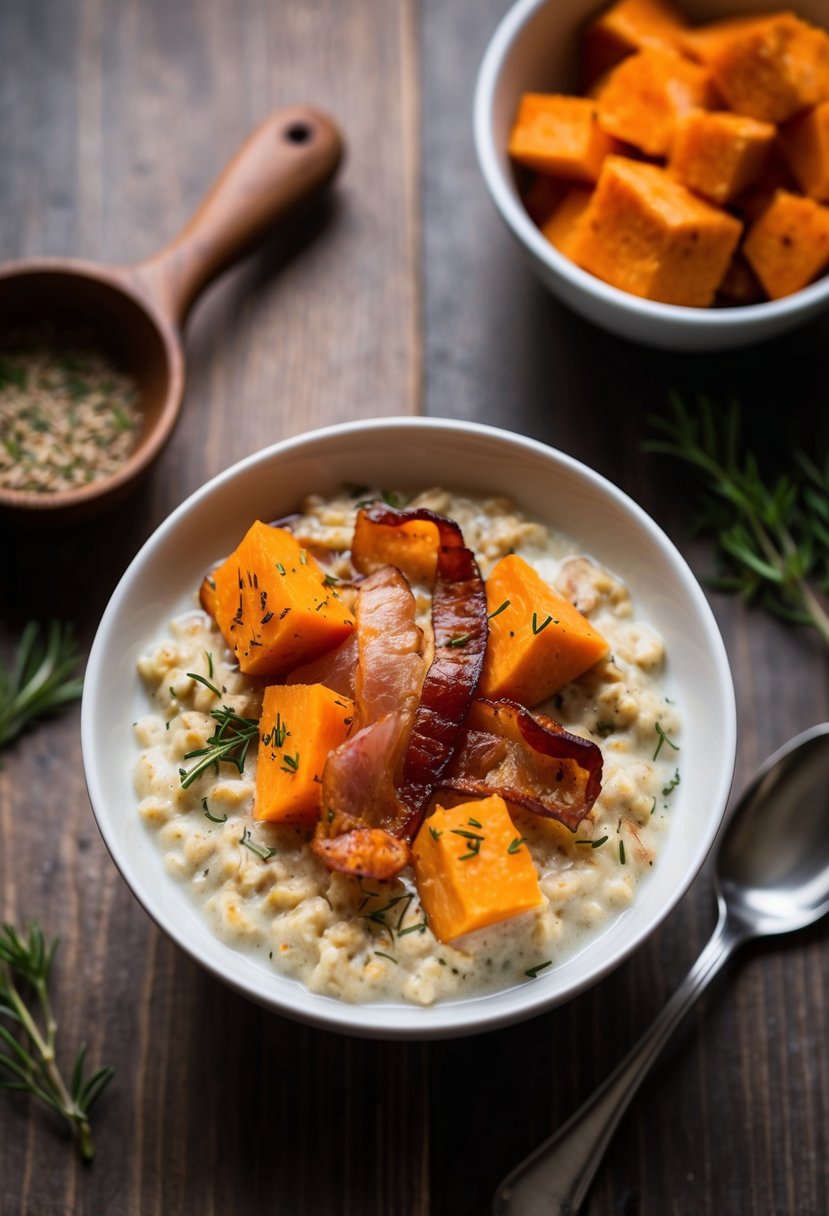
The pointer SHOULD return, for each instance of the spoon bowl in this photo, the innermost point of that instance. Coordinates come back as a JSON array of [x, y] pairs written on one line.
[[137, 312], [771, 876]]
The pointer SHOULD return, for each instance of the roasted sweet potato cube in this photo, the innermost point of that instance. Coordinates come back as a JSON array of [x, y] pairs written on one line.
[[472, 868], [788, 246], [273, 604], [805, 143], [642, 98], [538, 641], [647, 234], [764, 67], [740, 285], [625, 27], [718, 154], [559, 135], [560, 226], [299, 725]]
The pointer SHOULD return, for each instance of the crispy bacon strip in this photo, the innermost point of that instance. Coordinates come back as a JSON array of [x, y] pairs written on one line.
[[529, 759], [381, 780]]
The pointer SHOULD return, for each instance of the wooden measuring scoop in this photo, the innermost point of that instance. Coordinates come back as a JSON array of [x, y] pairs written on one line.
[[138, 311]]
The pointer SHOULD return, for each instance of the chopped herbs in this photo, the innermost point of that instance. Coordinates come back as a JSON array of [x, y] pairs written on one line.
[[663, 738], [228, 743], [540, 628], [594, 844], [474, 823], [515, 845], [460, 640], [622, 852], [672, 784], [498, 610], [202, 680], [534, 971], [381, 954], [435, 833], [212, 818], [262, 851], [290, 764]]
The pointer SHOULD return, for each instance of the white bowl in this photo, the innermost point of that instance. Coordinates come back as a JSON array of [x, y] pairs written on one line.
[[409, 453], [534, 49]]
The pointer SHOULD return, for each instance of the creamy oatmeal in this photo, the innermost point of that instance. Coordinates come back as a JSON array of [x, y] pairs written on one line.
[[264, 890]]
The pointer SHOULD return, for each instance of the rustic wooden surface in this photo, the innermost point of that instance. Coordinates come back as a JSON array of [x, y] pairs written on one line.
[[401, 292]]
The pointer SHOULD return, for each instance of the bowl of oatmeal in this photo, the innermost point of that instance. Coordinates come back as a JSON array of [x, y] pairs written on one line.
[[438, 761]]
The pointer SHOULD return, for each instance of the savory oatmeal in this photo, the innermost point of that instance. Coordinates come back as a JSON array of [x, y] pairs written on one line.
[[308, 885]]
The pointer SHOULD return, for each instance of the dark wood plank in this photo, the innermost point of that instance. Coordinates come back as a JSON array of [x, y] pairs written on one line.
[[735, 1120], [115, 119]]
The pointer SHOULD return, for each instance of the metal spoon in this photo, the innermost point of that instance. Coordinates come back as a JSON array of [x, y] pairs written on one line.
[[771, 876]]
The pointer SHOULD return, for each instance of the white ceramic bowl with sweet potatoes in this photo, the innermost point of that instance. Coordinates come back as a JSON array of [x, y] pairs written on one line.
[[535, 49], [409, 453]]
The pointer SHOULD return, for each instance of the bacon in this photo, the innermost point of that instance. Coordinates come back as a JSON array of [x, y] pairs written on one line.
[[336, 669], [360, 805], [390, 666], [381, 780], [529, 759]]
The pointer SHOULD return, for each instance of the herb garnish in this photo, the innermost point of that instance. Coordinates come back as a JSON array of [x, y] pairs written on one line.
[[261, 850], [40, 679], [498, 610], [380, 954], [202, 680], [29, 1062], [212, 818], [622, 852], [515, 845], [229, 743], [672, 784], [435, 833], [663, 738], [533, 971], [460, 640], [540, 628], [290, 764], [594, 844]]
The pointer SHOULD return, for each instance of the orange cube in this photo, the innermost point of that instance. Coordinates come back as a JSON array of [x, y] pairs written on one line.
[[805, 143], [273, 604], [300, 724], [412, 547], [472, 868], [560, 136], [560, 227], [740, 285], [625, 27], [537, 643], [788, 246], [643, 97], [646, 234], [764, 67], [719, 154]]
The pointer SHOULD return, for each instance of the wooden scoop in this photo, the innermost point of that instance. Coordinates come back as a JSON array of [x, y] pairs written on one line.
[[138, 311]]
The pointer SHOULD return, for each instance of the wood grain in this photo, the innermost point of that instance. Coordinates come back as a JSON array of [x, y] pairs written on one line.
[[403, 286]]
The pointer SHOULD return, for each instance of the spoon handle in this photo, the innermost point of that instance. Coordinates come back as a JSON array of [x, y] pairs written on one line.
[[289, 156], [553, 1180]]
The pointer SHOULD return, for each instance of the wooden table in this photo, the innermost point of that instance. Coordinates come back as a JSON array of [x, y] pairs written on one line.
[[400, 294]]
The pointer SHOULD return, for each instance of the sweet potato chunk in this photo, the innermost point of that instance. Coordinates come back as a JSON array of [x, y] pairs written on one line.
[[646, 234], [537, 643], [273, 604], [560, 226], [644, 96], [740, 285], [411, 546], [560, 136], [788, 245], [719, 154], [765, 67], [472, 868], [299, 726], [805, 144], [625, 27]]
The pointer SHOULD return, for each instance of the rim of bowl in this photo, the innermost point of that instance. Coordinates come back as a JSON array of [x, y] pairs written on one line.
[[388, 1020], [739, 317]]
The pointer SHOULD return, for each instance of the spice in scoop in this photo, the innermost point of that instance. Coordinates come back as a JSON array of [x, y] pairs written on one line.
[[68, 416]]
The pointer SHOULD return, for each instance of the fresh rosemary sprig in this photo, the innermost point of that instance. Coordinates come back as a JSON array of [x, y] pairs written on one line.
[[772, 531], [39, 680], [229, 742], [27, 1053]]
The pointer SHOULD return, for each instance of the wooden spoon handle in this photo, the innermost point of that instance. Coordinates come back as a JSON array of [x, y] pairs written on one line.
[[293, 153]]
